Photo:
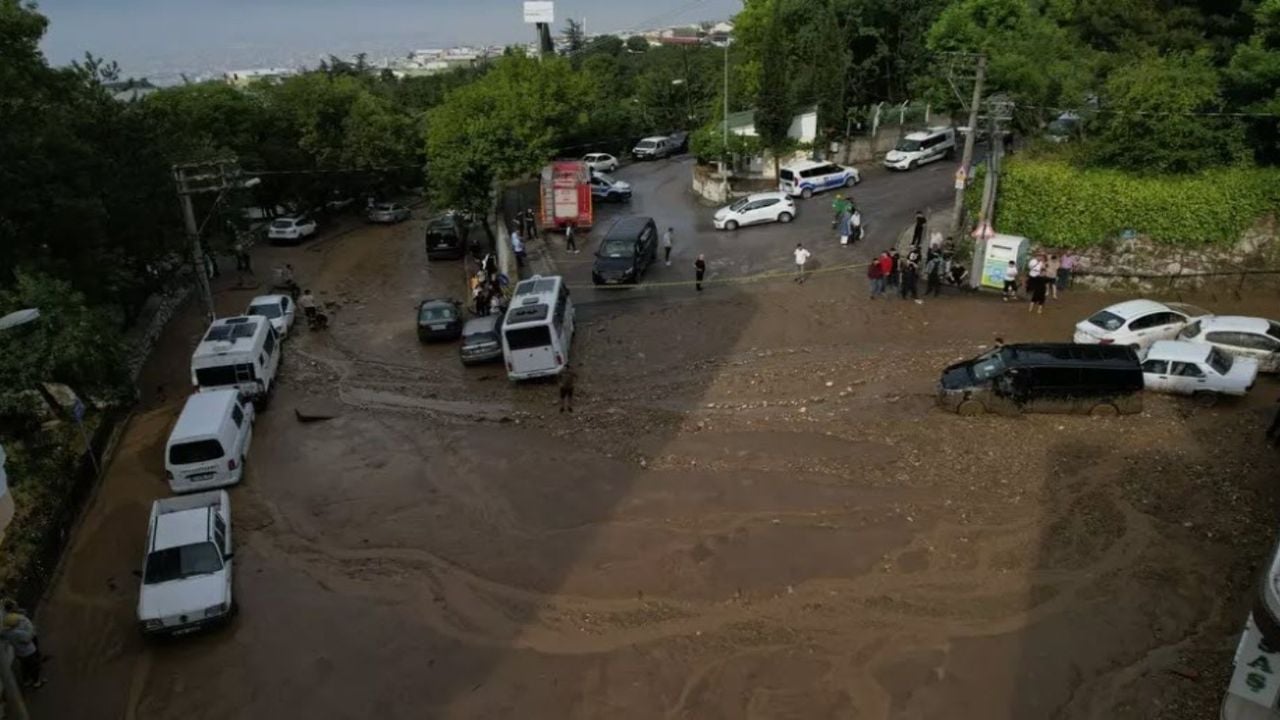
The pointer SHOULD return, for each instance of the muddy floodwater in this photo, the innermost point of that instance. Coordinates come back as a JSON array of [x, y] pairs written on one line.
[[756, 511]]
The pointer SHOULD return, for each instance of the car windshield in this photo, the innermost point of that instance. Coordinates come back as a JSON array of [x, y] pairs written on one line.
[[738, 205], [646, 144], [270, 310], [479, 338], [1188, 310], [907, 146], [437, 313], [282, 224], [181, 562], [195, 452], [988, 366], [617, 248], [1220, 361], [1107, 320], [606, 179]]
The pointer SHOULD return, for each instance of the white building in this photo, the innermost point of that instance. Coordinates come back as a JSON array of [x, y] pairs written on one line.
[[804, 126], [245, 78]]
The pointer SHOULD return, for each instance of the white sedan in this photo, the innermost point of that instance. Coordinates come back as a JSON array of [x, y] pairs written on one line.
[[1136, 323], [1241, 337], [277, 309], [294, 228], [1188, 368], [601, 162], [758, 208]]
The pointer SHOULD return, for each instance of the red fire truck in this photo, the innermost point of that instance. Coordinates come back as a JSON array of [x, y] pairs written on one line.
[[566, 195]]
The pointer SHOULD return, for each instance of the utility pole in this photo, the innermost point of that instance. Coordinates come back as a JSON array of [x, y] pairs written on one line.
[[957, 218], [216, 176], [725, 138]]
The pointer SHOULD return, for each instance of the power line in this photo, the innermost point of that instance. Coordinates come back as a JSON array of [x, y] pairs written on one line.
[[1152, 113]]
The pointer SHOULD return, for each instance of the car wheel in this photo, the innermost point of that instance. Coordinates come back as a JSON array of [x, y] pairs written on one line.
[[784, 217], [853, 180], [971, 408], [1104, 410], [612, 197], [731, 225], [1205, 399], [1136, 347], [806, 193], [911, 166]]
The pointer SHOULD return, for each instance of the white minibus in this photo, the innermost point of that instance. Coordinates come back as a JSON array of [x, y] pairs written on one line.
[[538, 328]]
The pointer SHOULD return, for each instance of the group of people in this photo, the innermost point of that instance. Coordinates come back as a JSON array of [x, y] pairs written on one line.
[[1046, 274], [487, 288], [19, 632], [847, 219], [937, 264]]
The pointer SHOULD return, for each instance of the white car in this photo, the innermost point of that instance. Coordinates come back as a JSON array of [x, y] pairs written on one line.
[[653, 148], [1241, 337], [919, 148], [279, 309], [758, 208], [294, 228], [601, 162], [186, 577], [1136, 323], [811, 176], [1188, 368]]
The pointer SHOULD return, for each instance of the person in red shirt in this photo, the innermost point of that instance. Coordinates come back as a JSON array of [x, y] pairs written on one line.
[[877, 270]]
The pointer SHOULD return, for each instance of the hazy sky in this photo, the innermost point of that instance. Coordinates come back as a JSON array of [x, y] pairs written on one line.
[[149, 36]]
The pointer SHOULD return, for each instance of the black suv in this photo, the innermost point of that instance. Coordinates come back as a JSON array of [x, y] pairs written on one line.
[[627, 250], [1045, 377], [446, 237]]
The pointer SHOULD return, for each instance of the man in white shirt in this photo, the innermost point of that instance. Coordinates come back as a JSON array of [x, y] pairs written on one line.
[[802, 257], [517, 247]]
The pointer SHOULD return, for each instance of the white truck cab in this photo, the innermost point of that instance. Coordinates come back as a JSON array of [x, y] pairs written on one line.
[[186, 576]]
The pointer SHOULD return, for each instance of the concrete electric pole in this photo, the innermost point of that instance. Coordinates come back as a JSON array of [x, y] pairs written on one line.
[[212, 177], [966, 161]]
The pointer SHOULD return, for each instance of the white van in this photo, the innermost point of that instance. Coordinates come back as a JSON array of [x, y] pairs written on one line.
[[811, 176], [238, 352], [538, 328], [208, 445], [919, 148]]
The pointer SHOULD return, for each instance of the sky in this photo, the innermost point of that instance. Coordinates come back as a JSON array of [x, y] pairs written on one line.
[[157, 37]]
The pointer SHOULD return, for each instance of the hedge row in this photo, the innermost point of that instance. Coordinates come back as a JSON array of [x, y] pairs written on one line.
[[1054, 203]]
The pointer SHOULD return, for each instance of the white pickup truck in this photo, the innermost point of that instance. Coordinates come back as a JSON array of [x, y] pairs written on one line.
[[186, 577]]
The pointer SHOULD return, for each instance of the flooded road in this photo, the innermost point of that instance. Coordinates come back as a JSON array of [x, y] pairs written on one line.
[[755, 512]]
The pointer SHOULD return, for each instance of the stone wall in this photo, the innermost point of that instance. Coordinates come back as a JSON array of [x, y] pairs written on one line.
[[160, 308], [1137, 263]]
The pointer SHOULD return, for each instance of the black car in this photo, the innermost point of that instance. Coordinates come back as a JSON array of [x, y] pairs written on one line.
[[627, 250], [1045, 377], [439, 319], [446, 237], [679, 140]]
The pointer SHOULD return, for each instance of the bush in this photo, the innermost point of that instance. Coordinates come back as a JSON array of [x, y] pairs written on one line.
[[1056, 204]]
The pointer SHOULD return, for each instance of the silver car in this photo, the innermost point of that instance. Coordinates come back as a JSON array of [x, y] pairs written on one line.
[[389, 213], [481, 340]]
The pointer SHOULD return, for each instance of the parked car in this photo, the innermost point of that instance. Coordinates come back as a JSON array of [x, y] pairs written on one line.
[[279, 309], [439, 319], [291, 229], [1241, 337], [1136, 323], [679, 141], [389, 213], [606, 188], [208, 444], [919, 148], [628, 249], [446, 237], [757, 208], [653, 148], [1046, 377], [601, 162], [1192, 368], [482, 340], [809, 177], [186, 575]]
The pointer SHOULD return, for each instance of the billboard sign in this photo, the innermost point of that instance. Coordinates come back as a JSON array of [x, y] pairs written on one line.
[[539, 11]]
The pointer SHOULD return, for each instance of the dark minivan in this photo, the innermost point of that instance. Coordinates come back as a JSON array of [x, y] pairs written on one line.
[[627, 250], [446, 237], [1045, 377]]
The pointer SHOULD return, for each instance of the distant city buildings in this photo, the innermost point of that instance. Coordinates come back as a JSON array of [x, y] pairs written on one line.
[[245, 78], [430, 62]]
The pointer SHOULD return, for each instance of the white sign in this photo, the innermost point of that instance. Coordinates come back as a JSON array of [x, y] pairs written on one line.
[[1256, 676], [539, 11]]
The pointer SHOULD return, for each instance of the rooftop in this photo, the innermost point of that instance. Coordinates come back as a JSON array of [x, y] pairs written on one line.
[[203, 413]]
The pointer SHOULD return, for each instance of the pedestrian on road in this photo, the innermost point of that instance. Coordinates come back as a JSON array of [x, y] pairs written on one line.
[[570, 245], [666, 246], [517, 246], [839, 207], [699, 271], [875, 274], [530, 224], [1011, 281], [845, 225], [1037, 283], [933, 276], [1066, 265], [895, 266], [910, 279], [1051, 275], [480, 300], [917, 235], [20, 633], [802, 257], [307, 302], [243, 261], [566, 389], [855, 224]]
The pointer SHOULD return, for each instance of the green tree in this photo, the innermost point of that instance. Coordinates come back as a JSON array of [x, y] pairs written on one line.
[[573, 37], [1253, 83], [637, 44], [774, 105], [1154, 117]]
